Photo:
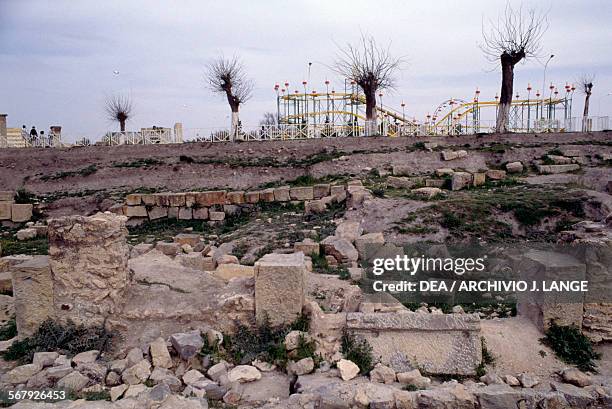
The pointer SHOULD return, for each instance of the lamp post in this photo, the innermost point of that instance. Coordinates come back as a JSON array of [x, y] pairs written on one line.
[[528, 106], [544, 78], [551, 87], [305, 110], [276, 87], [327, 94]]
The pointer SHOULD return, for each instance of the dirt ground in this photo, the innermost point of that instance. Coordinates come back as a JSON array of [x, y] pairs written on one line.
[[83, 179]]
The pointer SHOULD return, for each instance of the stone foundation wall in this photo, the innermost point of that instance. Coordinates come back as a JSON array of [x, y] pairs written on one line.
[[215, 205], [437, 343], [88, 260]]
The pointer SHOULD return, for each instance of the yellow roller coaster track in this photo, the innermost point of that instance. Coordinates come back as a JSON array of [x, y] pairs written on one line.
[[341, 96], [469, 107]]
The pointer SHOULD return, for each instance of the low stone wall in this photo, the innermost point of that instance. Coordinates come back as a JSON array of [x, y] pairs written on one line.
[[215, 205], [437, 343], [15, 212]]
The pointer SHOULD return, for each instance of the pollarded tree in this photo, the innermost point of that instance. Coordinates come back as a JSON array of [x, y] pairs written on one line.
[[119, 108], [515, 36], [370, 66], [268, 119], [586, 87], [228, 76]]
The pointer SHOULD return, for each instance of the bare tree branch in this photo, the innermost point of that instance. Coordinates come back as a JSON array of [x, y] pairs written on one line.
[[228, 76], [370, 66], [585, 83], [119, 108]]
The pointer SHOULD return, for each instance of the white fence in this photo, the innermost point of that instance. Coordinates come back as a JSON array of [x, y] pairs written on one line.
[[142, 137], [316, 131]]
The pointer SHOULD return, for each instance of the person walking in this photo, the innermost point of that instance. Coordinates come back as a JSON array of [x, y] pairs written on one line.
[[24, 134]]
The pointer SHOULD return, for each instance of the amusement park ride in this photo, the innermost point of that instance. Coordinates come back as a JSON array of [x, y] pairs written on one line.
[[332, 113]]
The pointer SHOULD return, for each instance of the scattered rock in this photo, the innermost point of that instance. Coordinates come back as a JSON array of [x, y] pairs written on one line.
[[491, 378], [159, 354], [576, 377], [511, 380], [137, 373], [74, 381], [427, 192], [302, 367], [413, 377], [187, 344], [244, 373], [382, 374], [514, 167], [348, 369], [528, 381]]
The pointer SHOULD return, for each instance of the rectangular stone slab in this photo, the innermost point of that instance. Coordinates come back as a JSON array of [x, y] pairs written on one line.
[[33, 294], [437, 343], [279, 288]]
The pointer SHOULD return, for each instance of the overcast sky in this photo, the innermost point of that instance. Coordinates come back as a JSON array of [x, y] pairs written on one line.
[[57, 58]]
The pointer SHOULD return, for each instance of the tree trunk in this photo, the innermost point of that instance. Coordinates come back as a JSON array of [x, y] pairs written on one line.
[[505, 99], [122, 126], [371, 126], [235, 124], [586, 105]]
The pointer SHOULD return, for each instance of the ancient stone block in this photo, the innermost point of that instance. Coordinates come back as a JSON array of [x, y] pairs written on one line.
[[21, 212], [321, 190], [452, 155], [440, 172], [194, 260], [553, 169], [216, 197], [7, 195], [5, 210], [200, 213], [236, 197], [229, 271], [252, 197], [427, 192], [135, 211], [308, 247], [314, 206], [543, 307], [133, 199], [367, 243], [437, 343], [216, 216], [157, 212], [341, 249], [301, 193], [281, 194], [267, 195], [559, 160], [338, 192], [190, 199], [185, 213], [173, 213], [187, 238], [460, 180], [570, 152], [88, 257], [279, 287], [402, 170], [401, 182], [434, 183], [148, 199], [514, 167], [349, 230], [495, 174], [478, 178], [32, 294], [176, 199]]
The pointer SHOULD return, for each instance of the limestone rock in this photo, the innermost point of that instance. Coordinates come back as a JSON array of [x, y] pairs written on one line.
[[413, 377], [33, 294], [137, 373], [514, 167], [452, 155], [86, 357], [118, 391], [302, 367], [279, 287], [427, 192], [112, 379], [576, 377], [160, 356], [348, 369], [21, 374], [44, 359], [460, 180], [382, 374], [217, 371], [308, 246], [26, 234], [133, 356], [527, 380], [74, 381], [440, 172], [367, 243], [244, 373], [494, 174], [292, 339], [511, 380], [491, 378], [169, 249], [230, 270], [187, 344], [341, 249]]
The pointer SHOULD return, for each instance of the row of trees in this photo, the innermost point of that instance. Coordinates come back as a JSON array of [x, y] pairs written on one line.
[[514, 37]]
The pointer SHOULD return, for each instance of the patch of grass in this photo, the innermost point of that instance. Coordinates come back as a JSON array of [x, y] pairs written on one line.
[[358, 351], [100, 395], [139, 163], [487, 357], [89, 170], [481, 370], [11, 246], [571, 346], [411, 388], [22, 196], [8, 330], [69, 339]]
